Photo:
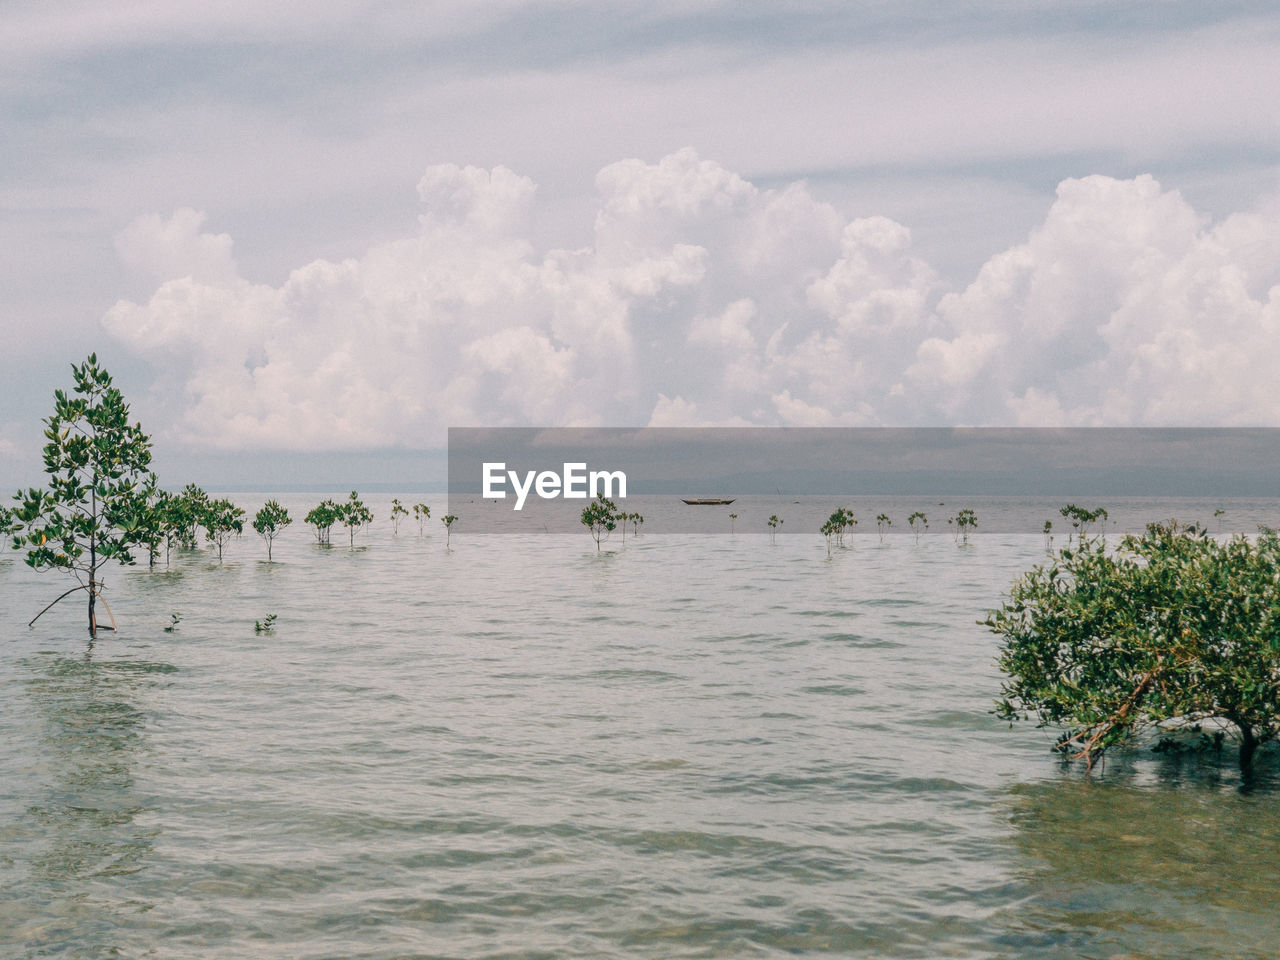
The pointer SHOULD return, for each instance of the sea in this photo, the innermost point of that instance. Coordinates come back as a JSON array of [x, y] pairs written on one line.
[[716, 744]]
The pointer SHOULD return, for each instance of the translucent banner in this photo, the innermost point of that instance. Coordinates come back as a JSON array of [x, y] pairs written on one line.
[[734, 480]]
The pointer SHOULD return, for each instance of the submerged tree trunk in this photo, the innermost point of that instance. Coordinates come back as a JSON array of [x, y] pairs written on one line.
[[1248, 747], [93, 567]]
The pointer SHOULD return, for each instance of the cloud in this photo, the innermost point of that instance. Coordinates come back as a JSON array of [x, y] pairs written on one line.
[[679, 412], [297, 128], [483, 201], [462, 323], [705, 299], [175, 248], [1123, 307]]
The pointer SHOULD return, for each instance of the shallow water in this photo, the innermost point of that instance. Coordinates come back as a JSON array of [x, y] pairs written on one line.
[[689, 746]]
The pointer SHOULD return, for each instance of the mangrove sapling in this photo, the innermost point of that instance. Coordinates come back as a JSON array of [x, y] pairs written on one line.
[[774, 522], [172, 514], [265, 625], [963, 522], [398, 512], [828, 530], [187, 512], [1172, 628], [630, 518], [270, 522], [732, 517], [421, 513], [883, 523], [354, 515], [1078, 516], [849, 523], [600, 517], [1048, 536], [835, 527], [448, 520], [322, 517], [1082, 519], [222, 520], [174, 620], [98, 465], [147, 523], [918, 523]]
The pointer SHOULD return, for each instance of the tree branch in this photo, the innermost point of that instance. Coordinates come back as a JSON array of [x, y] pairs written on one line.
[[63, 597]]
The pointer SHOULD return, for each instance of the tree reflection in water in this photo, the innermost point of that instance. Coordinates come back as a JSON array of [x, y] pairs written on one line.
[[1180, 862], [81, 830]]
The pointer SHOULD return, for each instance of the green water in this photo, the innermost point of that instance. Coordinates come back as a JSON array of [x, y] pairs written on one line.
[[689, 747]]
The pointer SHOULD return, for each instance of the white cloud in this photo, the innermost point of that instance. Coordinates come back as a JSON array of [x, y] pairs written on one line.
[[673, 412], [794, 412], [303, 149], [461, 323], [704, 299], [162, 249], [679, 412], [482, 201], [1123, 307]]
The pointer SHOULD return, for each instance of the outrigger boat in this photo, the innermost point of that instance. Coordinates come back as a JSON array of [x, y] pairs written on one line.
[[708, 501]]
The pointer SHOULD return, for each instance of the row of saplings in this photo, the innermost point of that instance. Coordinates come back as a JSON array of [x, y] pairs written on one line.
[[102, 502], [1170, 633], [602, 516], [157, 521], [176, 519]]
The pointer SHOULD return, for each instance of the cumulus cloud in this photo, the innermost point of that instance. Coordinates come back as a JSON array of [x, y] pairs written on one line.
[[1123, 307], [704, 299], [176, 247]]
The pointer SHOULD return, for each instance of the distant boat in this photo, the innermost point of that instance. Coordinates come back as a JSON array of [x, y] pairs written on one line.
[[708, 501]]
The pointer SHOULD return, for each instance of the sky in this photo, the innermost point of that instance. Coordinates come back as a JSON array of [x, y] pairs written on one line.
[[308, 239]]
